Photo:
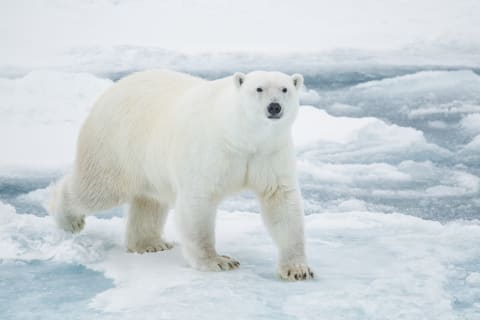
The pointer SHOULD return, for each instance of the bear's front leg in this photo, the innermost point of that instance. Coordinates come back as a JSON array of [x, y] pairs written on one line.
[[195, 219], [282, 213]]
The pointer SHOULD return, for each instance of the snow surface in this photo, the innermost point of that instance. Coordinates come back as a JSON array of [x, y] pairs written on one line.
[[36, 108], [368, 266], [121, 35], [388, 147]]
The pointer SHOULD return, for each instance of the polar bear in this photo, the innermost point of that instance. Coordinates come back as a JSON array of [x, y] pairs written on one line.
[[161, 139]]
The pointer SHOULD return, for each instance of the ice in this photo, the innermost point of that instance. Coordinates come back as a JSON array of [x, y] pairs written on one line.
[[473, 278], [432, 101], [387, 141], [470, 153], [368, 266], [471, 123], [31, 288], [419, 188], [35, 109], [360, 139], [94, 36], [341, 158], [314, 126], [414, 95], [383, 166], [426, 126], [308, 96]]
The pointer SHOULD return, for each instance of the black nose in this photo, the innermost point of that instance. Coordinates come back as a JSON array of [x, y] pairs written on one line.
[[274, 108]]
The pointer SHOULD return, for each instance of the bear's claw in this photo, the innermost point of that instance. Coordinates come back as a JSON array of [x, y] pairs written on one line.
[[218, 263], [295, 272], [72, 224], [159, 246]]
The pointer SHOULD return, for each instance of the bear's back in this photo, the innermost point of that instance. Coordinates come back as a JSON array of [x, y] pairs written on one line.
[[137, 102], [120, 124]]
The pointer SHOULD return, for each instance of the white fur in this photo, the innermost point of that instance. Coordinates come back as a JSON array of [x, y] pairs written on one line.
[[158, 139]]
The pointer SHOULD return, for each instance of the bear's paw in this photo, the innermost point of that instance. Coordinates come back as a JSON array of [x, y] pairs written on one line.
[[295, 272], [158, 246], [217, 263]]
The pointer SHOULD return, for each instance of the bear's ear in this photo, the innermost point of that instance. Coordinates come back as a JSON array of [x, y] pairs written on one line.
[[238, 79], [297, 80]]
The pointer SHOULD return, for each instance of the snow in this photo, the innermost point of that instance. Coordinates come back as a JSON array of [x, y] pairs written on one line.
[[94, 35], [36, 108], [360, 139], [388, 149], [441, 104], [236, 25], [368, 265], [314, 126]]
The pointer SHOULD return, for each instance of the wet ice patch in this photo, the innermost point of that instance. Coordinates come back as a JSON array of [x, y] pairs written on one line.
[[53, 290]]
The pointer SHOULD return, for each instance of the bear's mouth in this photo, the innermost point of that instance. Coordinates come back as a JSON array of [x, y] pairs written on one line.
[[275, 116]]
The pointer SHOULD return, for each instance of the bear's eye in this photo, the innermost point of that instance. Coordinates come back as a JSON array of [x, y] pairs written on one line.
[[259, 89], [284, 90]]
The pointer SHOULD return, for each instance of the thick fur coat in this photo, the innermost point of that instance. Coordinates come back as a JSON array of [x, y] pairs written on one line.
[[161, 139]]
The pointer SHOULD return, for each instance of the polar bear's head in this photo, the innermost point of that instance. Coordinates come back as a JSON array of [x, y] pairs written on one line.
[[268, 97]]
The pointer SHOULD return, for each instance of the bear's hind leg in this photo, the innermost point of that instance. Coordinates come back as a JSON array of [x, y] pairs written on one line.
[[146, 219], [64, 207]]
